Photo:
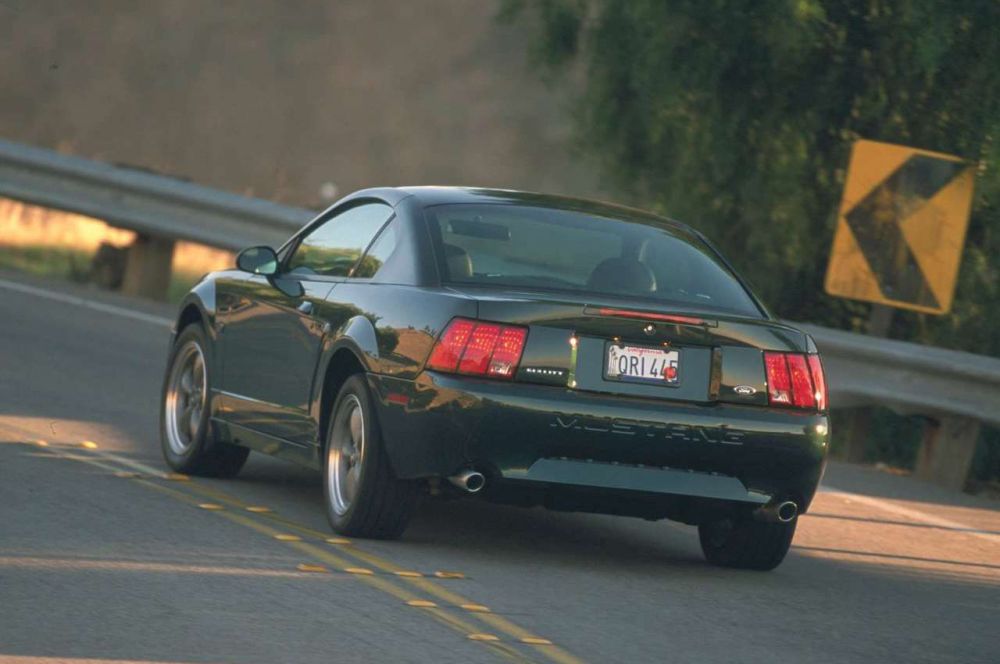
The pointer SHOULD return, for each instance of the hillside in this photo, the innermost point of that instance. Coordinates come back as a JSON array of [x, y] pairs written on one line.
[[278, 98]]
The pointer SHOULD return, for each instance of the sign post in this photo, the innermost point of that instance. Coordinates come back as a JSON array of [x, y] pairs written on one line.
[[899, 240]]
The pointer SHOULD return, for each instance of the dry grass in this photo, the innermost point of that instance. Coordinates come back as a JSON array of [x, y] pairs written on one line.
[[53, 243], [24, 226]]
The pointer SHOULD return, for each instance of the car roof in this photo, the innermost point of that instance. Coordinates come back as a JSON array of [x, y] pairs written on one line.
[[428, 196]]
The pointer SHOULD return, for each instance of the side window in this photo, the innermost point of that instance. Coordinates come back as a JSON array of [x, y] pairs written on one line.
[[379, 252], [332, 248]]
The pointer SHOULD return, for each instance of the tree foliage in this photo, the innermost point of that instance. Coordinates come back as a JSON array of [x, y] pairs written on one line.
[[737, 116]]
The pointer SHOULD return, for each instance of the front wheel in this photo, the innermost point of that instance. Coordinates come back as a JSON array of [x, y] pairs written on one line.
[[746, 543], [186, 437], [363, 496]]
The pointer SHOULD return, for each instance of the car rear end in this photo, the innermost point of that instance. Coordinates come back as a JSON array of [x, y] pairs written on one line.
[[617, 366], [743, 422]]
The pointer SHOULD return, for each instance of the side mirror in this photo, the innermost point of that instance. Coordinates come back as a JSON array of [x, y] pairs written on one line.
[[258, 260]]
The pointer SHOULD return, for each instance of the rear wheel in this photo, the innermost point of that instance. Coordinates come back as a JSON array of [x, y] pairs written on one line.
[[363, 496], [746, 543], [186, 436]]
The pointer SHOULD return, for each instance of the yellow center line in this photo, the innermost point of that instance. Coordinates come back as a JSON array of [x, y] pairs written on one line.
[[319, 553], [380, 583], [497, 622]]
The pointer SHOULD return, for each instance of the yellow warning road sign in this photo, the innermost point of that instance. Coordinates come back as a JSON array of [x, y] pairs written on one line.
[[901, 228]]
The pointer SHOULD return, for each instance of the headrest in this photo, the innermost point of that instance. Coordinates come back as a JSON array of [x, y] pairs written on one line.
[[622, 275], [459, 262]]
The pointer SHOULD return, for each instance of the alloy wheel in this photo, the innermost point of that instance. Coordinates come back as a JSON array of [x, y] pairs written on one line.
[[345, 454], [185, 398]]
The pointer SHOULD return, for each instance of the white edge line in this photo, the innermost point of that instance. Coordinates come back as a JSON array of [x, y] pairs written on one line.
[[916, 515], [85, 303]]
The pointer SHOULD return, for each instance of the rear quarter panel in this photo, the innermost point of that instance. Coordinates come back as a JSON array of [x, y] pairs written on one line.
[[391, 330]]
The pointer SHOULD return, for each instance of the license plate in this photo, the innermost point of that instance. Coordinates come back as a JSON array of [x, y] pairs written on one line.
[[643, 364]]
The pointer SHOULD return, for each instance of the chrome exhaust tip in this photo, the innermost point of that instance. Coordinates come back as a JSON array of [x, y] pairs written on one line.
[[786, 511], [783, 512], [471, 481]]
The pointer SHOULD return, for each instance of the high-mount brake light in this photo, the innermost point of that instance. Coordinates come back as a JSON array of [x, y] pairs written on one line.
[[479, 348], [649, 315], [796, 380]]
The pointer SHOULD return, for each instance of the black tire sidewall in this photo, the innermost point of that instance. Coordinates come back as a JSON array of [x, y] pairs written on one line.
[[746, 544], [355, 385], [202, 443]]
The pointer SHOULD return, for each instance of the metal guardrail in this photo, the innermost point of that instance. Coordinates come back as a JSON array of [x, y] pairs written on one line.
[[953, 388], [151, 204], [910, 378]]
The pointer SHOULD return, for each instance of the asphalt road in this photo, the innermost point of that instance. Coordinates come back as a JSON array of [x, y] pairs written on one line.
[[103, 558]]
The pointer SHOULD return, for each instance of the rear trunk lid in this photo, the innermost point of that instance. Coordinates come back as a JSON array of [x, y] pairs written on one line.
[[635, 348]]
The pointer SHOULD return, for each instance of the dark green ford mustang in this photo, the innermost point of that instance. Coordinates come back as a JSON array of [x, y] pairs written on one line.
[[539, 350]]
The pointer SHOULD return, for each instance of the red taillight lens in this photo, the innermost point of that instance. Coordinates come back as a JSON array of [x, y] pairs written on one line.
[[819, 380], [479, 349], [507, 354], [779, 383], [794, 379], [449, 347], [802, 389]]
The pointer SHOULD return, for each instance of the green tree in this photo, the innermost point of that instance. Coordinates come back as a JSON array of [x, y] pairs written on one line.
[[737, 117]]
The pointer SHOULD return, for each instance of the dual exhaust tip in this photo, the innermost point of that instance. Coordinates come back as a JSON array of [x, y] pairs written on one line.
[[782, 512], [470, 481]]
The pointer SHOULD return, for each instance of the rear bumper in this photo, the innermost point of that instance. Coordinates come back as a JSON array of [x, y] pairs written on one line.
[[647, 479], [536, 439]]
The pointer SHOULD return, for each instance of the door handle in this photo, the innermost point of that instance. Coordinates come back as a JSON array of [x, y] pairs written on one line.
[[306, 307]]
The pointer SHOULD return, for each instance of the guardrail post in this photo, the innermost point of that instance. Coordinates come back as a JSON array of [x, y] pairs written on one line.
[[147, 267], [857, 425], [946, 451], [859, 419]]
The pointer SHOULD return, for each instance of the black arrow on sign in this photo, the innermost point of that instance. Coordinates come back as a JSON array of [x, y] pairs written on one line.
[[875, 222]]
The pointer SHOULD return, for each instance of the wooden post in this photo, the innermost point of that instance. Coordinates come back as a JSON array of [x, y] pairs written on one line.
[[946, 451], [147, 267]]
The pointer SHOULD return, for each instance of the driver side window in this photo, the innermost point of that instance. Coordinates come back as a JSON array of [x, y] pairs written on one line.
[[334, 247]]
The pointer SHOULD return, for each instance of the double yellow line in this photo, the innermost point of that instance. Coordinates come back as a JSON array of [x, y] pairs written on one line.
[[414, 589]]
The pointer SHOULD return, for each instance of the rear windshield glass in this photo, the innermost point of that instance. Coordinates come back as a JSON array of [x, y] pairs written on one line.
[[554, 249]]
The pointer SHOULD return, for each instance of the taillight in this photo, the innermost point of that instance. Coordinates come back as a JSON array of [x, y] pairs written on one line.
[[507, 353], [796, 380], [779, 383], [448, 350], [478, 348], [802, 389], [819, 380]]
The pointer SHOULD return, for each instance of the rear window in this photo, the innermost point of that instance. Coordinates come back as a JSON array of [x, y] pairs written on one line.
[[554, 249]]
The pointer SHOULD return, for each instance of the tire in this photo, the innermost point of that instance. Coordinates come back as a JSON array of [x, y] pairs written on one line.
[[746, 543], [363, 496], [187, 440]]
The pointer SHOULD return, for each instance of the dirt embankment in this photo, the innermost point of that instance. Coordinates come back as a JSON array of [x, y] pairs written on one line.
[[285, 100]]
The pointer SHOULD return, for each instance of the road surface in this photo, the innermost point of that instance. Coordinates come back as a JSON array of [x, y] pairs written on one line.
[[104, 558]]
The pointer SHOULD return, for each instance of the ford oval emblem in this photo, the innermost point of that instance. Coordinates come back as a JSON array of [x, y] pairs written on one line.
[[745, 390]]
